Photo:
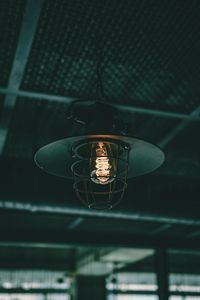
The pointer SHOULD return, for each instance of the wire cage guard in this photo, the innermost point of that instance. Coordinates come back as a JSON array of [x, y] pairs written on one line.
[[99, 165], [100, 172]]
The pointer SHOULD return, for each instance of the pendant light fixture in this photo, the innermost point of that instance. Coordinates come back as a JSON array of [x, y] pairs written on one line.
[[100, 161]]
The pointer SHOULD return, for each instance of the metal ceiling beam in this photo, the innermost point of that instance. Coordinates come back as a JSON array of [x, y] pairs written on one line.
[[75, 223], [37, 96], [26, 37], [172, 134], [161, 229], [159, 113], [194, 234], [184, 252], [33, 245], [125, 108], [85, 212]]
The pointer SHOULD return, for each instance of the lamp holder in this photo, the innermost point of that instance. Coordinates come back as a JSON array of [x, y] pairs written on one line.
[[96, 117]]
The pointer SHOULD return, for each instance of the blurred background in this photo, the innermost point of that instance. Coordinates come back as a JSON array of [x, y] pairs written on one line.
[[146, 54]]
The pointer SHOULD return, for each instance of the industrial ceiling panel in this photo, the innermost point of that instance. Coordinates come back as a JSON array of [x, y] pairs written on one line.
[[34, 124], [11, 13], [146, 54]]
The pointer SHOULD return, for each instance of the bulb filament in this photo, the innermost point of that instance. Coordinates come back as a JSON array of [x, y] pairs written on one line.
[[103, 166], [102, 172]]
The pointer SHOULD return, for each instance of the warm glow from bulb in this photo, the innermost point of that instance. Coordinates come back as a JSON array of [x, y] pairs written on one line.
[[103, 168], [102, 164]]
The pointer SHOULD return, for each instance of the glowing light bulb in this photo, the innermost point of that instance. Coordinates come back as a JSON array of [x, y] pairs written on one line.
[[104, 169]]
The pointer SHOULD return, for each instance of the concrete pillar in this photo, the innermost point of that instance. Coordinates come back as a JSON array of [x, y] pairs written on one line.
[[91, 288], [162, 273]]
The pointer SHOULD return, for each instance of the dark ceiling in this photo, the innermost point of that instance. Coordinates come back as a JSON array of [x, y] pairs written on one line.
[[148, 52]]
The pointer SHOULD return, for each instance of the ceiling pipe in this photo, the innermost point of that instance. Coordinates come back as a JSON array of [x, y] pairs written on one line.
[[85, 212], [126, 108]]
